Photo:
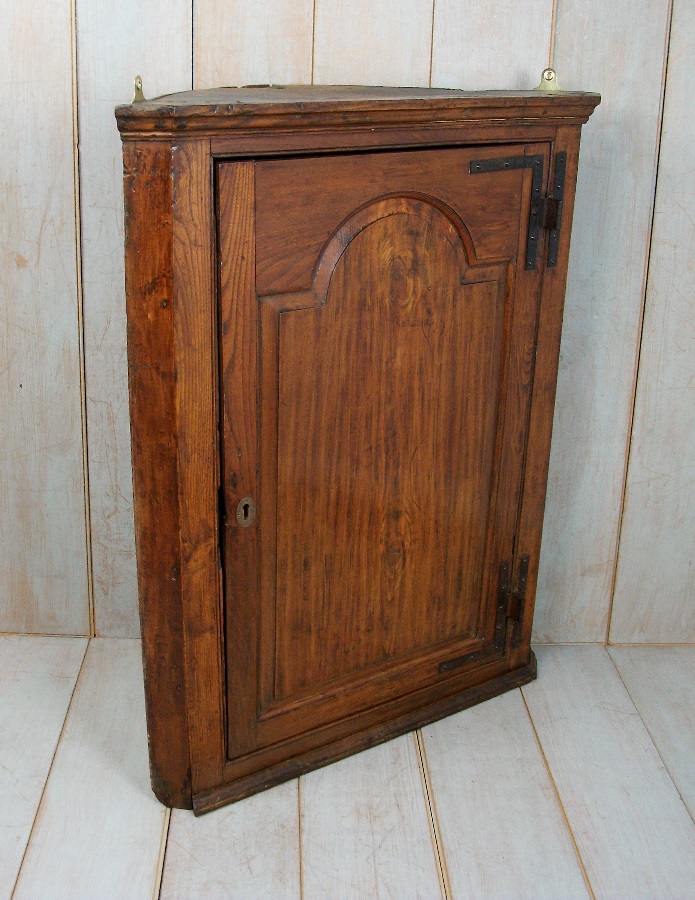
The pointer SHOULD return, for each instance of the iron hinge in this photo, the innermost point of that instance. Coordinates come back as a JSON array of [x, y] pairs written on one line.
[[510, 603], [544, 212]]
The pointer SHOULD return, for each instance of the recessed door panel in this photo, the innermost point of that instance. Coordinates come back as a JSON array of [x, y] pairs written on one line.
[[387, 411]]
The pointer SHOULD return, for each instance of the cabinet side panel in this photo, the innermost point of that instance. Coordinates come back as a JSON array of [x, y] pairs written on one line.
[[544, 382], [151, 374]]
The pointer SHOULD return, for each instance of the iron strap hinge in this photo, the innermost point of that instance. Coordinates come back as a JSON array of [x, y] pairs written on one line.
[[510, 603], [544, 212]]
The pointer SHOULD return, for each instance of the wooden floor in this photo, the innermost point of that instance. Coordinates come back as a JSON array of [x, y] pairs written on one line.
[[582, 784]]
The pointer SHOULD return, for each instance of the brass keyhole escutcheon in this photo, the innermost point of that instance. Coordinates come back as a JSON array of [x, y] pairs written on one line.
[[246, 512]]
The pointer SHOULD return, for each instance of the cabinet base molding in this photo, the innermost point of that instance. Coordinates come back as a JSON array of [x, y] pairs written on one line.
[[207, 801]]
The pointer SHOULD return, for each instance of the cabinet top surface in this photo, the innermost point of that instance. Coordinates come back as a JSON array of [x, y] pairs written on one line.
[[295, 106]]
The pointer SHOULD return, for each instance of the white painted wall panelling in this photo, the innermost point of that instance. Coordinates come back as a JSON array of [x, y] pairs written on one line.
[[385, 42], [37, 678], [241, 42], [632, 829], [43, 557], [151, 38], [491, 45], [596, 50], [99, 829], [655, 588]]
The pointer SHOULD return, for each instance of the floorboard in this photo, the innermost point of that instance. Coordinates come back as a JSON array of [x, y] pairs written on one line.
[[365, 829], [37, 678], [502, 828], [661, 683], [98, 831], [631, 827], [248, 850]]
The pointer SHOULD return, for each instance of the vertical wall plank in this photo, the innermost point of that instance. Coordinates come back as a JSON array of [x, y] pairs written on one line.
[[43, 560], [115, 44], [655, 587], [617, 49], [492, 45], [373, 42], [252, 42]]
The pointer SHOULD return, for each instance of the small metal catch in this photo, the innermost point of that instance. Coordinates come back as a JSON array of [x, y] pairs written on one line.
[[548, 83], [139, 96], [246, 512]]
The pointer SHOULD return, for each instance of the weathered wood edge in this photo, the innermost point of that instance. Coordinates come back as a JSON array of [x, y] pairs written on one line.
[[531, 513], [206, 801], [152, 380], [234, 109]]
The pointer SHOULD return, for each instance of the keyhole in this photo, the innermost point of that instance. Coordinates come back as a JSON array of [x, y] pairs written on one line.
[[246, 512]]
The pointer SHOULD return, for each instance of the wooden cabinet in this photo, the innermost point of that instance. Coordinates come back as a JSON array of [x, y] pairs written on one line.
[[344, 311]]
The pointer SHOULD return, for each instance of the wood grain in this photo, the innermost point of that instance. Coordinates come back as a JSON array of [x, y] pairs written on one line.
[[395, 450], [301, 203], [655, 583], [249, 850], [605, 286], [372, 42], [633, 832], [197, 448], [152, 382], [113, 44], [239, 463], [364, 827], [37, 678], [99, 827], [240, 42], [491, 789], [492, 45], [661, 684], [43, 555]]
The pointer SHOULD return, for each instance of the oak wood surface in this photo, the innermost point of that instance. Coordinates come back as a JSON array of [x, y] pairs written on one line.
[[238, 341], [226, 109], [306, 637], [301, 202], [152, 381]]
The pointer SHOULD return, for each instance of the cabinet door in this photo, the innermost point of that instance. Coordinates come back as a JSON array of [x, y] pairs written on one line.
[[377, 320]]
